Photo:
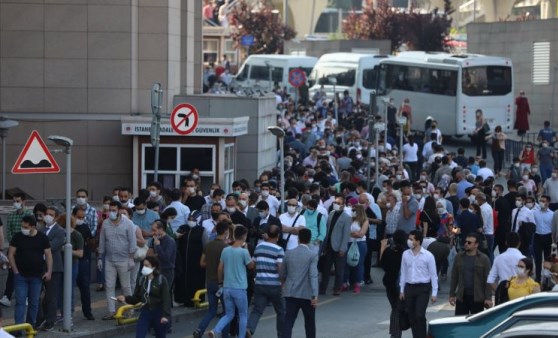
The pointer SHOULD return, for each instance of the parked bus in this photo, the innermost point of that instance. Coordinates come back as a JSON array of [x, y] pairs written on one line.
[[256, 70], [354, 72], [450, 88]]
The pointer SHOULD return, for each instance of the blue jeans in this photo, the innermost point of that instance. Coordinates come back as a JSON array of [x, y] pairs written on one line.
[[490, 244], [150, 318], [213, 301], [83, 281], [546, 171], [262, 295], [355, 274], [234, 299], [27, 288]]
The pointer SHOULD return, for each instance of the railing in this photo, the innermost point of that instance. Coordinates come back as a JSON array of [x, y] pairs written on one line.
[[198, 299], [122, 319], [30, 333]]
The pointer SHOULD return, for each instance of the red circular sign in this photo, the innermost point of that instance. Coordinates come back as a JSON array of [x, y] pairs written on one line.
[[297, 77], [184, 118]]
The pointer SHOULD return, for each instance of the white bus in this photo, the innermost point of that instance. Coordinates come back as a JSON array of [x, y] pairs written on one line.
[[355, 72], [450, 88], [256, 70]]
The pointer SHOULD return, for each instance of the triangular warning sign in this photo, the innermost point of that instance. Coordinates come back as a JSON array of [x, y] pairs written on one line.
[[35, 158]]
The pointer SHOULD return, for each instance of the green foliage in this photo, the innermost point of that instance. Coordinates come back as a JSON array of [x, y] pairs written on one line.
[[418, 31], [266, 26]]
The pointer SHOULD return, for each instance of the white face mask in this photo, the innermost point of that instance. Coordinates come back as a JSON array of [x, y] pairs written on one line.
[[243, 203], [543, 205], [81, 200], [441, 210], [191, 190], [529, 205], [265, 193], [231, 209], [262, 214], [17, 205], [49, 219], [192, 224], [418, 196], [554, 175], [436, 196], [291, 209], [525, 177], [141, 212], [398, 177], [494, 194], [153, 194], [410, 243], [80, 221], [26, 232], [106, 206], [518, 204], [336, 207], [194, 176], [520, 271], [146, 271], [422, 177], [388, 205], [354, 213]]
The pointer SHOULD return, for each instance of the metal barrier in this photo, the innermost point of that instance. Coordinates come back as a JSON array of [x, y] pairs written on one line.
[[122, 319], [198, 299], [29, 331]]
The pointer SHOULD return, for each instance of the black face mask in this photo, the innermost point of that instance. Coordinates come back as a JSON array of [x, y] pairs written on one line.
[[214, 215]]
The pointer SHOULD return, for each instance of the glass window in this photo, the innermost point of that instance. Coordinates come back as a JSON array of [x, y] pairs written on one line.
[[230, 51], [487, 81], [417, 79], [229, 157], [167, 180], [369, 78], [167, 158], [210, 50], [262, 73], [243, 74], [345, 75], [200, 158]]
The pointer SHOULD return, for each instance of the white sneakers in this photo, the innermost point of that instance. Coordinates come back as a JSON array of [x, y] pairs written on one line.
[[5, 301]]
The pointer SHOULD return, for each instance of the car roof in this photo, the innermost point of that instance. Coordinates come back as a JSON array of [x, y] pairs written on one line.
[[531, 329]]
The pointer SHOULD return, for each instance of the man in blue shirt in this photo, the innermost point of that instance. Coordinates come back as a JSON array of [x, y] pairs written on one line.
[[143, 217], [547, 134]]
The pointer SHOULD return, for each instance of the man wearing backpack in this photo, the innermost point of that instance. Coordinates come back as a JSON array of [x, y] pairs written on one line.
[[316, 223]]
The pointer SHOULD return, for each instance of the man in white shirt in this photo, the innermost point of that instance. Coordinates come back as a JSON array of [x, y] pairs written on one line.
[[505, 264], [182, 211], [521, 215], [418, 282], [543, 234], [291, 222], [488, 223], [271, 200], [484, 171]]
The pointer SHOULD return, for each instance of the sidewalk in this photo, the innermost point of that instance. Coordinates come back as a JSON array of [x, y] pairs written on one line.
[[97, 328]]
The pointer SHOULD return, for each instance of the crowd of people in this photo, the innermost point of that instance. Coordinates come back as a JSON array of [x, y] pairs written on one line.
[[428, 214]]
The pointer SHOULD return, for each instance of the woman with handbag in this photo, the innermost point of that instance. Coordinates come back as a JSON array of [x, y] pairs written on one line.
[[522, 284], [482, 129], [359, 227], [498, 149], [429, 218]]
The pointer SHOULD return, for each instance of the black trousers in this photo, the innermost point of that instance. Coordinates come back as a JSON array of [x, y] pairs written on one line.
[[47, 310], [371, 245], [329, 259], [468, 306], [292, 306], [542, 247], [416, 300]]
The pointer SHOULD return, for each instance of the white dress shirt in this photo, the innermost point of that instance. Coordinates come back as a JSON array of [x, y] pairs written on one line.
[[525, 215], [543, 220], [504, 266], [487, 219], [288, 220], [420, 268], [485, 173]]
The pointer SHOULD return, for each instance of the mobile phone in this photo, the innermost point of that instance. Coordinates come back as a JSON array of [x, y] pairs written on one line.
[[114, 298]]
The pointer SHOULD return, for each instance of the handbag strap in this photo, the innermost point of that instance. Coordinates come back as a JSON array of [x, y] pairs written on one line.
[[292, 226]]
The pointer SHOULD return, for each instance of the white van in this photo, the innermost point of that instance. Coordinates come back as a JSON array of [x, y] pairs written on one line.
[[256, 70], [355, 72]]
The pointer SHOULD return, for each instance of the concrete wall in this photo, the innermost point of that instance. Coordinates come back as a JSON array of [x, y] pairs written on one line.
[[255, 151], [318, 48], [73, 67], [515, 40]]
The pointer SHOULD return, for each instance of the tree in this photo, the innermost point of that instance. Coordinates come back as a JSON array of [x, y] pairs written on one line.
[[264, 24], [418, 31]]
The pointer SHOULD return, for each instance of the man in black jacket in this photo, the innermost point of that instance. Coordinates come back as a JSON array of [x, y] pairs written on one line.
[[502, 207], [261, 223]]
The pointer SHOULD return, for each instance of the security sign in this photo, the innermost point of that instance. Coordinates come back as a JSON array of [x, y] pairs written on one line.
[[184, 118], [297, 77], [35, 158]]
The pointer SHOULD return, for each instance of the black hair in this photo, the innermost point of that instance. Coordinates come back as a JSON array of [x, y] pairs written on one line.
[[139, 201], [262, 205], [304, 235], [240, 231], [161, 224], [221, 227], [418, 235], [30, 219], [154, 261], [512, 239], [82, 190], [476, 236], [115, 204]]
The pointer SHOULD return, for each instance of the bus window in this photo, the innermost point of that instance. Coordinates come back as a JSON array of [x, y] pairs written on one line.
[[243, 75], [345, 75], [262, 73], [487, 81], [418, 79], [369, 78]]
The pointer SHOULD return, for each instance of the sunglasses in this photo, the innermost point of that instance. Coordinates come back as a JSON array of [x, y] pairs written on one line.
[[469, 242], [292, 205]]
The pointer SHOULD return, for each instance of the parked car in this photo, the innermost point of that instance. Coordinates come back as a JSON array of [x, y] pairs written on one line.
[[527, 320], [480, 323]]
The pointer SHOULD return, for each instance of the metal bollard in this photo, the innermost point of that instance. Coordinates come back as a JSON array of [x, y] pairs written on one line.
[[30, 333], [197, 299], [121, 319]]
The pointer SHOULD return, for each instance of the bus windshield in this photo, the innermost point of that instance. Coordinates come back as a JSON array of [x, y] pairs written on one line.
[[345, 75], [487, 81]]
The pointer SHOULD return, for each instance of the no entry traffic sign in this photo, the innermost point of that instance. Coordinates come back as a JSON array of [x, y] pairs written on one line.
[[297, 77], [184, 118]]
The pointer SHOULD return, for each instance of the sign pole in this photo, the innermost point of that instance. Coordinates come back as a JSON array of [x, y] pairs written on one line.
[[156, 98]]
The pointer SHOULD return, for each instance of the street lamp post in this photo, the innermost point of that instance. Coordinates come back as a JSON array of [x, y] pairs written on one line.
[[280, 134], [378, 127], [333, 81], [5, 125], [67, 143], [156, 99], [402, 121]]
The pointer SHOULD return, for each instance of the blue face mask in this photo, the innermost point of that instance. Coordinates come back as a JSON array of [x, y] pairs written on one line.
[[310, 212]]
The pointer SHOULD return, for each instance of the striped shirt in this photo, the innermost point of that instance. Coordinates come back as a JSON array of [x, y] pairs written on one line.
[[117, 241], [268, 256]]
